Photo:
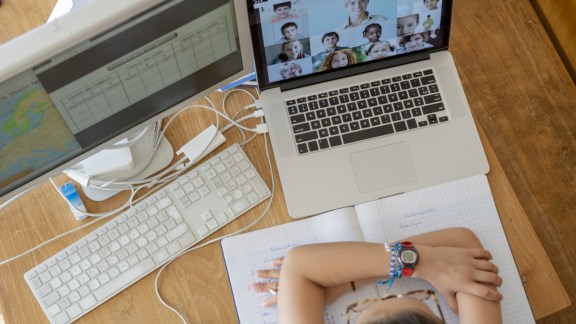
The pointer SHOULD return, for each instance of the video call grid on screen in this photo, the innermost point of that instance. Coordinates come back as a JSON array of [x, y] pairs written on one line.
[[302, 37]]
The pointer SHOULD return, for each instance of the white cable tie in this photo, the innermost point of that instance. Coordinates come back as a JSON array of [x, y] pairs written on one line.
[[262, 128]]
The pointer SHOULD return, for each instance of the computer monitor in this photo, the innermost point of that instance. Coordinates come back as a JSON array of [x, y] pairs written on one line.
[[78, 84]]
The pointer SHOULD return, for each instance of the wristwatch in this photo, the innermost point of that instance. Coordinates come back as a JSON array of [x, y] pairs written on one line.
[[408, 258]]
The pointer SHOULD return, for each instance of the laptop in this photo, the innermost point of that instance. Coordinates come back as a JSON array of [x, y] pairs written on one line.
[[362, 99]]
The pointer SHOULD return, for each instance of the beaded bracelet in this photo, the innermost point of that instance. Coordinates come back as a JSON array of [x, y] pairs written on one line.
[[395, 266]]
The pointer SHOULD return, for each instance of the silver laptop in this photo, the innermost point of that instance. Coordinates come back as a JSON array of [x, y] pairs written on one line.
[[362, 99]]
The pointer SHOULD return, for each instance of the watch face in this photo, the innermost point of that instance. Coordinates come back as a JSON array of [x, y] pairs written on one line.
[[408, 257]]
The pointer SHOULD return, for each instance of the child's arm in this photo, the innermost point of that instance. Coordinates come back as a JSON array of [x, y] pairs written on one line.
[[311, 274]]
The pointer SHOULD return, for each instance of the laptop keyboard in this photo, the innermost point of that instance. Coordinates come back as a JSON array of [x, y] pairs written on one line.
[[367, 110]]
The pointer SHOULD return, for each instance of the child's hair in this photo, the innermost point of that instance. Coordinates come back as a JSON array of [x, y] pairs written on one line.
[[288, 24], [285, 4], [390, 46], [370, 26], [346, 2], [417, 16], [406, 39], [327, 64], [331, 34]]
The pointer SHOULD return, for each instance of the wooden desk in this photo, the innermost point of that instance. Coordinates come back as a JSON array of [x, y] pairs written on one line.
[[197, 284]]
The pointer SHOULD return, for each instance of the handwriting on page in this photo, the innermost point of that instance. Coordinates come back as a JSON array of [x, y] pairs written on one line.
[[253, 251]]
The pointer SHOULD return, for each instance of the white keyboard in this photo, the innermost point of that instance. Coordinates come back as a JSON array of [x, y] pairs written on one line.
[[127, 248]]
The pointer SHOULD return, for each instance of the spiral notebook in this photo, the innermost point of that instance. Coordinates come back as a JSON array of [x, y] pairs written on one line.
[[463, 203]]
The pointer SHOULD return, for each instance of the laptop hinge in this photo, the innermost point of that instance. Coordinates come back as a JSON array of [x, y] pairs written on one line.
[[359, 69]]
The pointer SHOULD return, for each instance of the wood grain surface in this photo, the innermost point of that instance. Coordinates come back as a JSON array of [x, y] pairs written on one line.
[[523, 101]]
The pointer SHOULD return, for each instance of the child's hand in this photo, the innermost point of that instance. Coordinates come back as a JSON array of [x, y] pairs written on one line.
[[269, 286], [452, 270]]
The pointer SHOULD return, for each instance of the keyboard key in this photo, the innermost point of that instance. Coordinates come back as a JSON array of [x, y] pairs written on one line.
[[400, 126], [304, 137], [433, 108], [367, 133]]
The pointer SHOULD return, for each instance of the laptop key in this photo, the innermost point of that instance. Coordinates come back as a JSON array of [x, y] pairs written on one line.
[[297, 119], [432, 98], [302, 148], [335, 141], [433, 108], [426, 80], [292, 110], [323, 143], [313, 146], [301, 128], [304, 137], [400, 126], [412, 123], [367, 133]]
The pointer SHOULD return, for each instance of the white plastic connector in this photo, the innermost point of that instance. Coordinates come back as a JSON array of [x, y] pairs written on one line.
[[257, 104], [262, 128], [258, 113], [202, 144]]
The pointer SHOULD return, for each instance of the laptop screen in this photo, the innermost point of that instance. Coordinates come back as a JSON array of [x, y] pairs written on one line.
[[300, 38]]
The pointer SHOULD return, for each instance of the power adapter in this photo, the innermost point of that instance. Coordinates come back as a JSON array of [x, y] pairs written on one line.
[[202, 144]]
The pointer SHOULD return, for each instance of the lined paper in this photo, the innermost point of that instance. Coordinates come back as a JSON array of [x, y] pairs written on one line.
[[464, 203]]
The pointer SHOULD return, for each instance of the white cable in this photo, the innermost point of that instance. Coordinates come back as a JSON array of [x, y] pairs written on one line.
[[270, 200], [13, 199], [133, 141], [97, 183]]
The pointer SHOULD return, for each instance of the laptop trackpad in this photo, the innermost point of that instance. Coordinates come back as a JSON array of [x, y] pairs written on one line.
[[383, 167]]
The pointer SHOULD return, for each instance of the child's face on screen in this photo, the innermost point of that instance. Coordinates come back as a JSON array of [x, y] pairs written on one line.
[[330, 41], [415, 42], [292, 50], [431, 4], [339, 60], [379, 51], [290, 32], [282, 12], [373, 34], [406, 25]]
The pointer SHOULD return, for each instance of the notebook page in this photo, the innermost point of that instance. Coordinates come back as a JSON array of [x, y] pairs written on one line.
[[464, 203], [246, 253]]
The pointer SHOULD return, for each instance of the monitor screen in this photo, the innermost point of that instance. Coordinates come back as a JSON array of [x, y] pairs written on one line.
[[68, 106], [301, 38]]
